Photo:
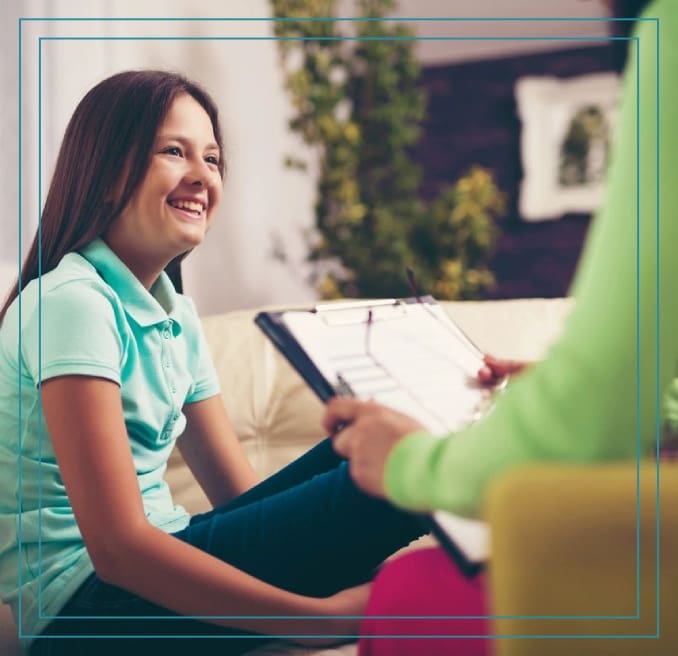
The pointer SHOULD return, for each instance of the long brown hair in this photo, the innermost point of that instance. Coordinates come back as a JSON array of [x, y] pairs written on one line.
[[104, 156]]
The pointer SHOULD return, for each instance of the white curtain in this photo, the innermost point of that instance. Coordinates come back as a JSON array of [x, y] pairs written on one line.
[[264, 203]]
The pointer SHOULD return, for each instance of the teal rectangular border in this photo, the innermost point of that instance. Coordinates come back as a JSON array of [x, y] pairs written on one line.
[[411, 19]]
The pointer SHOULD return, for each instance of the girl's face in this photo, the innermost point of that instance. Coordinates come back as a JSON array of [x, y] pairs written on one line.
[[179, 195]]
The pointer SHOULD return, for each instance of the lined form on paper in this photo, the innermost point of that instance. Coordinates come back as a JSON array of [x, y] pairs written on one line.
[[410, 357]]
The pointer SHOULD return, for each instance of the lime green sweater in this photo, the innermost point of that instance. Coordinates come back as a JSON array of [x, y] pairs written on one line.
[[598, 393]]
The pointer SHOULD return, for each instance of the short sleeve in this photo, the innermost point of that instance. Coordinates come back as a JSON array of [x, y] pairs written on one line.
[[73, 331], [205, 379]]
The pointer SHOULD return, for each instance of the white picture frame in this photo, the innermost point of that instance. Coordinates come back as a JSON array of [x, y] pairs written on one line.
[[566, 133]]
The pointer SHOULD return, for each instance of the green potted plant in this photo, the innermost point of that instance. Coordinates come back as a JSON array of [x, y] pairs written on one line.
[[358, 102]]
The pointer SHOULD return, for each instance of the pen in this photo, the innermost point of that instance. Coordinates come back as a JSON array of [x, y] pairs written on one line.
[[342, 388]]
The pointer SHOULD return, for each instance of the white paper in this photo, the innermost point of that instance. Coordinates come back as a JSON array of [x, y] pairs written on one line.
[[408, 356]]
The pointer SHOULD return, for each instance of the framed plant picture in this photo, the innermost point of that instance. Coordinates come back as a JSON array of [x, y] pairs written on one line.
[[567, 128]]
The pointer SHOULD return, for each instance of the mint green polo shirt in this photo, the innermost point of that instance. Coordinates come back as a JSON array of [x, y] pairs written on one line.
[[89, 316]]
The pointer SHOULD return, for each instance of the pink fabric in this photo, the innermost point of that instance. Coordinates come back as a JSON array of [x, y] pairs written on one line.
[[425, 583]]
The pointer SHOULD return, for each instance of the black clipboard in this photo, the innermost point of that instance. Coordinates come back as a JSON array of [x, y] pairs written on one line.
[[273, 325]]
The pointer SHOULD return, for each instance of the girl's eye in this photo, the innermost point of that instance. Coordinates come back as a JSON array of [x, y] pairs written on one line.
[[212, 159], [172, 150]]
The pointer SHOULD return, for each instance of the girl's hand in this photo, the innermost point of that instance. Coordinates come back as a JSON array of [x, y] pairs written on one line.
[[345, 610], [495, 369], [352, 601], [365, 433]]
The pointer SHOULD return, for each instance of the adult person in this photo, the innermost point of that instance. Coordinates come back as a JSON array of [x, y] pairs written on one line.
[[598, 388], [103, 367]]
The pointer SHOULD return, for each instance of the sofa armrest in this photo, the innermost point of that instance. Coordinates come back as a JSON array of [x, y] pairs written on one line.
[[576, 541]]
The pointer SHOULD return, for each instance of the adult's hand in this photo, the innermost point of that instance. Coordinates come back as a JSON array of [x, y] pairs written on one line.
[[495, 369], [365, 433]]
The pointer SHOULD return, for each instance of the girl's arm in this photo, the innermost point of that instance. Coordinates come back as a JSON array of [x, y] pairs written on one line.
[[213, 453], [85, 422]]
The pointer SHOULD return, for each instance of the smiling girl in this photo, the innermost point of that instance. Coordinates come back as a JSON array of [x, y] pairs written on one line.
[[103, 368]]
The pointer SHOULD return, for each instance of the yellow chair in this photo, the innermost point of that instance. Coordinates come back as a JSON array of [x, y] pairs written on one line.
[[576, 541]]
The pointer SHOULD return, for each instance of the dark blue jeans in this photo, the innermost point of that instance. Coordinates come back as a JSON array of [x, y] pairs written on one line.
[[307, 529]]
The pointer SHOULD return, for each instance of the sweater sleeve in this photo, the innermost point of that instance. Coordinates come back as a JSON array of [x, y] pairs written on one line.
[[596, 394]]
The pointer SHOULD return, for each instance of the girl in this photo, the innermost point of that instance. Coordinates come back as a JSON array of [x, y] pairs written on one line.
[[103, 368]]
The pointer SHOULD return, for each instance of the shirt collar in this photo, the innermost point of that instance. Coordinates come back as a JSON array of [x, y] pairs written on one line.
[[146, 307]]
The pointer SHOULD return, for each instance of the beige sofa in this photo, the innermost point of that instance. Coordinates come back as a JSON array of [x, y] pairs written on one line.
[[277, 417]]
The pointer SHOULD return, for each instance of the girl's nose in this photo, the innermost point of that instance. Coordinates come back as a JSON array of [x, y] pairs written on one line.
[[198, 172]]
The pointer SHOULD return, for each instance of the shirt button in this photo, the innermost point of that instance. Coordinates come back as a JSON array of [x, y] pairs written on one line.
[[174, 389], [166, 334], [166, 364]]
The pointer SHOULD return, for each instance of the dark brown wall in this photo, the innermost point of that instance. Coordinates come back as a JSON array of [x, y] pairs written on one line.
[[472, 119]]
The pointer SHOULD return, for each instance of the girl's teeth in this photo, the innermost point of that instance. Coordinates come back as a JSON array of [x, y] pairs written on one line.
[[187, 205]]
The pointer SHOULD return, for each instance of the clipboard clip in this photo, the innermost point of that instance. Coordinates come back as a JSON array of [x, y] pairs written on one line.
[[354, 305], [359, 312]]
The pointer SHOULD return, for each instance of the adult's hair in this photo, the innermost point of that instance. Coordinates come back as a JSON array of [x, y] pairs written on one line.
[[630, 10], [104, 156]]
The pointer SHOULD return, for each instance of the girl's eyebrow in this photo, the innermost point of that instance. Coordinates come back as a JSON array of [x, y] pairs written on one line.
[[184, 141]]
